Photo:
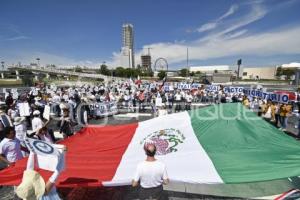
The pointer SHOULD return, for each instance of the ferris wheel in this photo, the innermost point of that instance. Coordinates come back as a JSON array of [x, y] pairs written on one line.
[[161, 64]]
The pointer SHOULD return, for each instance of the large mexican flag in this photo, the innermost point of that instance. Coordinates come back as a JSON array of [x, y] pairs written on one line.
[[225, 143]]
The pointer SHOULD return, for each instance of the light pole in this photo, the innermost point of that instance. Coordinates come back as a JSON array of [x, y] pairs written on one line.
[[187, 60], [38, 61], [239, 62]]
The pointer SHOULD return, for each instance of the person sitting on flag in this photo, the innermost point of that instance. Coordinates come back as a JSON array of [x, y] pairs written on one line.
[[151, 174], [10, 147], [33, 185]]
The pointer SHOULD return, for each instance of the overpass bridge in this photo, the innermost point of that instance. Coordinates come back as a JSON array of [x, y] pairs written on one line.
[[51, 71]]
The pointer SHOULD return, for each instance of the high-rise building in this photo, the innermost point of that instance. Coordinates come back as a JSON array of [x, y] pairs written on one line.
[[146, 62], [128, 44]]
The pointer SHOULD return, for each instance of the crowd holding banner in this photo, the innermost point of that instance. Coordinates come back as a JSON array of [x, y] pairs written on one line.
[[25, 115]]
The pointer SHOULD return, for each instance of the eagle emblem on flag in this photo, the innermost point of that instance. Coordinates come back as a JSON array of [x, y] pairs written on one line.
[[166, 140]]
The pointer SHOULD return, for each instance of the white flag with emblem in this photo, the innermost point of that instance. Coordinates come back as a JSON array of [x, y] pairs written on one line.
[[47, 154]]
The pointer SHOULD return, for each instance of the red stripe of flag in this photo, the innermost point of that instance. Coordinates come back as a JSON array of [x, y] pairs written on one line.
[[93, 156]]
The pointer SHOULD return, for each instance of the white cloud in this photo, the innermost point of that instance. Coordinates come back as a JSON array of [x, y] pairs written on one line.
[[207, 27], [229, 39], [21, 37], [27, 57], [212, 25], [236, 34], [276, 42], [257, 12], [231, 11]]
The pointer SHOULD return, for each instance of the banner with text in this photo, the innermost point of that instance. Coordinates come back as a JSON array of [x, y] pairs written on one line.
[[282, 98]]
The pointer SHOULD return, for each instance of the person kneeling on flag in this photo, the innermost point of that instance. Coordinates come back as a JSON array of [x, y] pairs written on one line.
[[151, 174], [33, 186]]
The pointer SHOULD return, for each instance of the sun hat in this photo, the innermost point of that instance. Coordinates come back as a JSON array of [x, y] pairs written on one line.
[[37, 98], [18, 120], [32, 186], [36, 112]]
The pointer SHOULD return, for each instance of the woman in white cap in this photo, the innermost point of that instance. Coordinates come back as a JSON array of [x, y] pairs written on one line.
[[37, 122]]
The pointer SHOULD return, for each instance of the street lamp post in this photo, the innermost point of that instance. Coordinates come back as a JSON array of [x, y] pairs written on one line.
[[38, 61], [2, 64]]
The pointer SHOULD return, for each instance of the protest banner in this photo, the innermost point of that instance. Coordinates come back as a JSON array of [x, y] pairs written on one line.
[[47, 154], [237, 90], [24, 109], [104, 109], [213, 88], [187, 86], [277, 97], [46, 113]]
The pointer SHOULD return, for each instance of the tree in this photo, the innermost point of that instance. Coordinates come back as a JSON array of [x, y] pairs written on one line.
[[104, 70], [120, 72], [279, 71], [192, 74], [161, 75], [183, 72], [216, 71], [78, 69], [287, 72], [27, 77]]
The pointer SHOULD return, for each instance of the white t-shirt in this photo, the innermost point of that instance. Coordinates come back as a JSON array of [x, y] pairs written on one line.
[[150, 174], [11, 149], [189, 98], [37, 123], [177, 97]]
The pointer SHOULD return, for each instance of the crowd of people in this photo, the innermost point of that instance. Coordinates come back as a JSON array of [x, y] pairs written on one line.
[[37, 112], [275, 112]]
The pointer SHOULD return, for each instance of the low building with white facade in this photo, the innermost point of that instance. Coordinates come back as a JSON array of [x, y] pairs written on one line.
[[211, 69], [256, 73]]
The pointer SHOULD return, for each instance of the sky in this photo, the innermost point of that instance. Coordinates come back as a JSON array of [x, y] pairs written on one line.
[[88, 32]]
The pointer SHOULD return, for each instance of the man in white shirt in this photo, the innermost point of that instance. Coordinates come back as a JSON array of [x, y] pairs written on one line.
[[178, 99], [151, 174], [10, 148], [36, 122], [188, 100]]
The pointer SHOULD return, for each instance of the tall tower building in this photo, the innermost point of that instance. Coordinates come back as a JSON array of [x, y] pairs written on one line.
[[146, 62], [128, 44]]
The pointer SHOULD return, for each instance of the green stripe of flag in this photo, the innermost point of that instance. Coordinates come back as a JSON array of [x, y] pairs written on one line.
[[244, 147]]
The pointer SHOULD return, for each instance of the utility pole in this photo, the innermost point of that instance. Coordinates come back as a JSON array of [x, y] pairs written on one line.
[[187, 60], [239, 62]]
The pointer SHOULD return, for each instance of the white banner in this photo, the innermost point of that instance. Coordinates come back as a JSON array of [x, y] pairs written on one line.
[[47, 154], [46, 113], [282, 98], [104, 109], [213, 88], [24, 109], [237, 90]]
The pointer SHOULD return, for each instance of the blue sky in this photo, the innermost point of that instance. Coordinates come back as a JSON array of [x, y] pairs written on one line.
[[88, 32]]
